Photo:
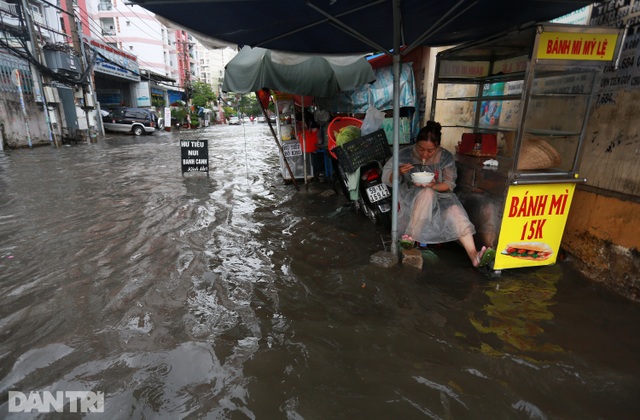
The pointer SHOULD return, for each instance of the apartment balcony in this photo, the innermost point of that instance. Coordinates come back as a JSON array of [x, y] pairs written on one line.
[[108, 32], [38, 19], [105, 6], [9, 8], [11, 17]]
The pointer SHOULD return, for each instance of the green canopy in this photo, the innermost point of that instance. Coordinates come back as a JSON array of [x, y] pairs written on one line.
[[253, 69]]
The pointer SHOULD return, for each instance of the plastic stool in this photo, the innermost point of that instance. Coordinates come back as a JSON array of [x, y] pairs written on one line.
[[328, 165]]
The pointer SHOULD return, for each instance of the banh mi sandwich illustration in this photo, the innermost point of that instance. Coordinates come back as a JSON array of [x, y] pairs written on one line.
[[535, 251]]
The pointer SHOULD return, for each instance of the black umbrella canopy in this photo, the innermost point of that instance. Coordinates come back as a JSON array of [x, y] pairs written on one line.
[[321, 26]]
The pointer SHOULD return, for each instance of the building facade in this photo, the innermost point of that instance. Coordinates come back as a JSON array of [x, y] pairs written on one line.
[[134, 52], [84, 56], [46, 98]]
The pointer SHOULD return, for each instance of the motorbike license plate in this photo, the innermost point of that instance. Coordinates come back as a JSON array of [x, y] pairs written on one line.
[[378, 192]]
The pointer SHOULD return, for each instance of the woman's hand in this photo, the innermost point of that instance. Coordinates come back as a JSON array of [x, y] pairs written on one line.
[[405, 168], [402, 169]]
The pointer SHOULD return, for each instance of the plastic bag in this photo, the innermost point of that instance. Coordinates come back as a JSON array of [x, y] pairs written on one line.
[[372, 121]]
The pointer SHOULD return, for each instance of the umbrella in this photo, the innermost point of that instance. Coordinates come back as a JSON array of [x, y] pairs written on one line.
[[351, 26], [313, 75]]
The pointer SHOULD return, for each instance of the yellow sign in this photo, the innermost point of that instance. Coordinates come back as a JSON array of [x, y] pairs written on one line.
[[532, 225], [577, 46]]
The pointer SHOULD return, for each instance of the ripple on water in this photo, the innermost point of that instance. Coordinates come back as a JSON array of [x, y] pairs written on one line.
[[238, 296]]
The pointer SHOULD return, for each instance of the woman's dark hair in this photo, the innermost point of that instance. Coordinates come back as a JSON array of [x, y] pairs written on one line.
[[431, 132]]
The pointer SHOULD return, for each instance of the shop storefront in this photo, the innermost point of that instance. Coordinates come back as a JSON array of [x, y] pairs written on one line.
[[116, 74]]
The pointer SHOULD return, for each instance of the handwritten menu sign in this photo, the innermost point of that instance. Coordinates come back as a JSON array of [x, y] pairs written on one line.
[[195, 155], [291, 148]]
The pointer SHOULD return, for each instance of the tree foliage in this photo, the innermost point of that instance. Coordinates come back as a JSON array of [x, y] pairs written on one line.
[[244, 105], [202, 94]]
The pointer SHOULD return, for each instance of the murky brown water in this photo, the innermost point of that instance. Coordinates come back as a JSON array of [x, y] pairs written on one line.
[[235, 296]]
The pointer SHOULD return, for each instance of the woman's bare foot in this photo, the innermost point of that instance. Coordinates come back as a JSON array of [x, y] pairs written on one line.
[[476, 261]]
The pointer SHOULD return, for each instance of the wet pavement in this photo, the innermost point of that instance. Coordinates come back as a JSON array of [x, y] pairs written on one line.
[[236, 296]]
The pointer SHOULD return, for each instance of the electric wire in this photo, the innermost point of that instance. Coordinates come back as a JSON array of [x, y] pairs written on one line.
[[60, 9], [143, 20], [96, 51], [91, 19], [26, 55], [96, 29], [133, 24]]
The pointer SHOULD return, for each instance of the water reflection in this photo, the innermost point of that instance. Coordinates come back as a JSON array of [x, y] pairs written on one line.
[[517, 313], [236, 296]]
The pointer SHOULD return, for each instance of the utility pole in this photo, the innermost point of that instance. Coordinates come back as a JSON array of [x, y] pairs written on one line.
[[78, 49], [38, 83], [184, 60], [75, 37]]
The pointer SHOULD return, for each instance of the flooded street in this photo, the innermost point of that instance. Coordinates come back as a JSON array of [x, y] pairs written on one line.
[[235, 296]]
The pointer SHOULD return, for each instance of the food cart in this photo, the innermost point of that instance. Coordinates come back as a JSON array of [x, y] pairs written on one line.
[[515, 108], [294, 150]]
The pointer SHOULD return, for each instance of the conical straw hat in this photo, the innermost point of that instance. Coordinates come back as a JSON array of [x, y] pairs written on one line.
[[537, 154]]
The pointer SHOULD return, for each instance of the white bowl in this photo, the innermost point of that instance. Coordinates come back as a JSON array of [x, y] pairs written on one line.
[[422, 177]]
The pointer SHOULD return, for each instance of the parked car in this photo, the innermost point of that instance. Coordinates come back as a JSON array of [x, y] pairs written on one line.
[[132, 120], [261, 119], [234, 121]]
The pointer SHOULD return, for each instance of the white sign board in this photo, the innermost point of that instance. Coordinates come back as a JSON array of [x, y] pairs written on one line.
[[143, 96]]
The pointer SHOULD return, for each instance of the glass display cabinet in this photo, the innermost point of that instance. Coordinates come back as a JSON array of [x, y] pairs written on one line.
[[288, 136], [515, 108]]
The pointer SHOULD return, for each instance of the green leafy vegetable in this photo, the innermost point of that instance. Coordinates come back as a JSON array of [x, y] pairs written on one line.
[[346, 134]]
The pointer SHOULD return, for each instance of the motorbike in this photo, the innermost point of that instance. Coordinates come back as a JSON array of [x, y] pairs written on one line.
[[368, 154]]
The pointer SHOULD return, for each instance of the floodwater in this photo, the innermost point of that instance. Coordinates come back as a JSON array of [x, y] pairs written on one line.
[[235, 296]]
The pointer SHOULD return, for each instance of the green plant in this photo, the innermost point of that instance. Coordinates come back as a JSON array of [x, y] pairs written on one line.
[[228, 111], [202, 94], [180, 115], [194, 118]]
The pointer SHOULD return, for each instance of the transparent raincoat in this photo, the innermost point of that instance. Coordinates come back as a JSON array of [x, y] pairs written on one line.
[[439, 217]]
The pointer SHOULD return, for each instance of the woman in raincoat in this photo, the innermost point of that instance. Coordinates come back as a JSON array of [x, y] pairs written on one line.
[[431, 213]]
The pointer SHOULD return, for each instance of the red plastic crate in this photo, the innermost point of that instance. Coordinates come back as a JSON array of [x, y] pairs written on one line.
[[487, 144]]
